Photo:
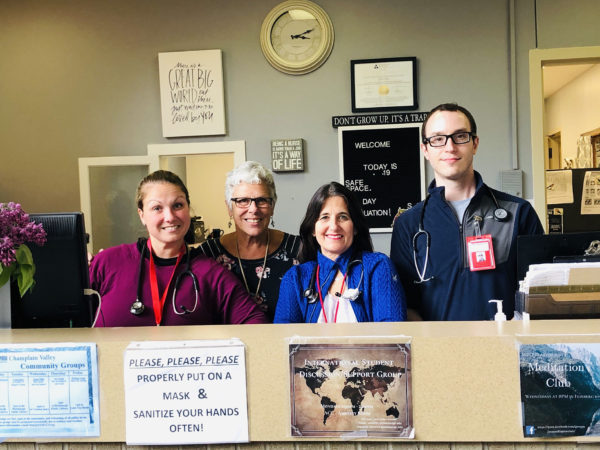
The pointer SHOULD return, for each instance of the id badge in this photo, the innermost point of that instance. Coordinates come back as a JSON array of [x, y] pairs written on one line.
[[481, 252]]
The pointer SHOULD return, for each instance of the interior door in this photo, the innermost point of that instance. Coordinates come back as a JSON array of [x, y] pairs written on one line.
[[108, 185], [554, 153], [107, 189], [539, 60], [203, 167]]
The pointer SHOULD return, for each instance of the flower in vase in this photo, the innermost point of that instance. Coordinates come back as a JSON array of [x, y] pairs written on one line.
[[16, 230]]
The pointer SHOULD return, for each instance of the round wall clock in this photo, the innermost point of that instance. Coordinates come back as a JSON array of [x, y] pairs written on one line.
[[296, 37]]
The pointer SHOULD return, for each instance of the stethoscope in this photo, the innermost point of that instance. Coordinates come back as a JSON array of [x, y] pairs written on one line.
[[500, 215], [311, 294], [137, 307]]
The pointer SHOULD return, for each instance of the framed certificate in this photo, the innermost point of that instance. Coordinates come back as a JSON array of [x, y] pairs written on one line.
[[388, 84]]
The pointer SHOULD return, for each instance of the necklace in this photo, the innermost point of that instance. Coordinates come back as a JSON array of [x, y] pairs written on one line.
[[237, 247]]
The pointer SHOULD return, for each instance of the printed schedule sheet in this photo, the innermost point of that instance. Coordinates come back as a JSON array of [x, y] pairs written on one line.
[[49, 390]]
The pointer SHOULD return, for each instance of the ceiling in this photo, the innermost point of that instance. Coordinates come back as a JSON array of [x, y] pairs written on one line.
[[557, 76]]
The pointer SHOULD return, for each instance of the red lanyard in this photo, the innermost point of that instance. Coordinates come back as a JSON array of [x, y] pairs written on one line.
[[337, 304], [158, 301]]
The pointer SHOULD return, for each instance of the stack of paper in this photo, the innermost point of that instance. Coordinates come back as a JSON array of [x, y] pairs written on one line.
[[586, 274]]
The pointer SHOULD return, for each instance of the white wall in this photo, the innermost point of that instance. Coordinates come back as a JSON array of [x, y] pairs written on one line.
[[574, 110]]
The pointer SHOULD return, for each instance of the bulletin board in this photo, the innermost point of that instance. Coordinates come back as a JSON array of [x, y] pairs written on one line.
[[572, 216], [383, 165]]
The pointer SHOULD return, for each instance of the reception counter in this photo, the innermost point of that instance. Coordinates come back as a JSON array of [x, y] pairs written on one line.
[[465, 375]]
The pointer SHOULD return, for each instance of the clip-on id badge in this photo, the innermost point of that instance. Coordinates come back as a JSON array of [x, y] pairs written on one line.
[[481, 252]]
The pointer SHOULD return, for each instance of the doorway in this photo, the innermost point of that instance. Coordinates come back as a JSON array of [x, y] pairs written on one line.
[[539, 61], [107, 187], [553, 154]]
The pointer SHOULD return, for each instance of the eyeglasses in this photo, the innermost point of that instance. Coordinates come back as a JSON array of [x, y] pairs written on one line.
[[245, 202], [460, 137]]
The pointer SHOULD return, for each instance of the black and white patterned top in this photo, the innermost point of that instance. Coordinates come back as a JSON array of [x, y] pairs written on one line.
[[278, 263]]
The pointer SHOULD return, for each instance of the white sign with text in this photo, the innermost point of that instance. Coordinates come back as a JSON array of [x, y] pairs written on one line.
[[185, 392], [191, 93]]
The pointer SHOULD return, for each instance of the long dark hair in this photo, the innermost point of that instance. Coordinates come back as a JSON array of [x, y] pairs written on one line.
[[309, 245]]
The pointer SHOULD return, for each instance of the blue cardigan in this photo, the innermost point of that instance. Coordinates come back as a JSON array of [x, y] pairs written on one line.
[[381, 296]]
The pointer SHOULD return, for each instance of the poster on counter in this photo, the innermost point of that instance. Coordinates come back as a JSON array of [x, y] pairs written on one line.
[[560, 389], [185, 392], [351, 390], [383, 165], [191, 93], [590, 193], [49, 390]]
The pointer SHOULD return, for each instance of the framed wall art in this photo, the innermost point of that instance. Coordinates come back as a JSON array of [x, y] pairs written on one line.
[[388, 84], [191, 93]]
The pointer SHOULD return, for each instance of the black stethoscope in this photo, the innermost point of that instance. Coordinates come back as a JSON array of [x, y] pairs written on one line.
[[500, 215], [311, 294], [137, 307]]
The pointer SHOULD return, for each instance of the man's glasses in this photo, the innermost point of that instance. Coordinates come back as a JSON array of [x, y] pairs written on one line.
[[461, 137], [245, 202]]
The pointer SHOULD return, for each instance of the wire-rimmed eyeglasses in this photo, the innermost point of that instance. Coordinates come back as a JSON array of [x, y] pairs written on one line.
[[460, 137], [245, 202]]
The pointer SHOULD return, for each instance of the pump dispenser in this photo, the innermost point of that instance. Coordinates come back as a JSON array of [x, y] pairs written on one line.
[[500, 316]]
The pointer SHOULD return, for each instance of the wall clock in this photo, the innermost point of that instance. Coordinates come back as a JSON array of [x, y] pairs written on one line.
[[296, 37]]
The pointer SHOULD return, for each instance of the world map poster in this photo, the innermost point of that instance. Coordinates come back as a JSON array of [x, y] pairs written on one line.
[[351, 390]]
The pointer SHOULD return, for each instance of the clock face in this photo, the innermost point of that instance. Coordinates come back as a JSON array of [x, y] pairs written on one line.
[[296, 35]]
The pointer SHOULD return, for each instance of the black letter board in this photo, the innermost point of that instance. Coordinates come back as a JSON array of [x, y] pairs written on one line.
[[383, 166]]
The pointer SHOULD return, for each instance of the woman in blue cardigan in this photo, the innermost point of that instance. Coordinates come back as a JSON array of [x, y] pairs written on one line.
[[340, 279]]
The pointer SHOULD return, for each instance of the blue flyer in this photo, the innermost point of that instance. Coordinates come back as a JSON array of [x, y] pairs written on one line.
[[560, 389], [49, 390]]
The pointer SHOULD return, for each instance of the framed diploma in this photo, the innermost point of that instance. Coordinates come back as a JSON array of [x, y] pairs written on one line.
[[388, 84]]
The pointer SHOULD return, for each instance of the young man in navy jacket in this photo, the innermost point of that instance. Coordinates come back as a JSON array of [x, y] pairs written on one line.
[[456, 250]]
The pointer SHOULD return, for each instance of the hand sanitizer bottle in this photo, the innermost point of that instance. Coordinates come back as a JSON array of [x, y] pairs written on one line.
[[500, 316]]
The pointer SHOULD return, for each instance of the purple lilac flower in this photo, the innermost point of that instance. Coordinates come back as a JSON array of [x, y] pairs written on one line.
[[16, 229]]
